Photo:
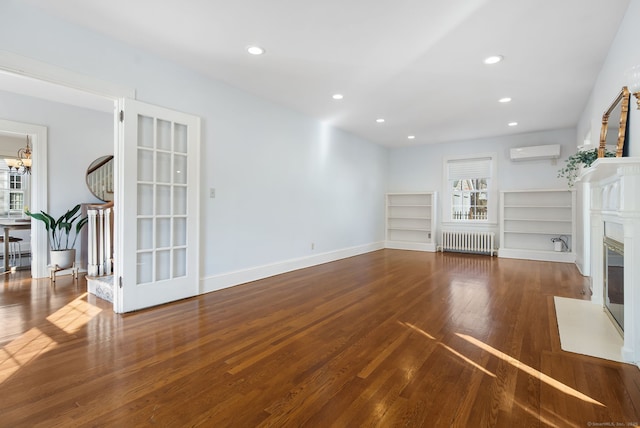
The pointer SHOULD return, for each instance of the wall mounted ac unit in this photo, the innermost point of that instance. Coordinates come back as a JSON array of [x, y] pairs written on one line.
[[550, 151]]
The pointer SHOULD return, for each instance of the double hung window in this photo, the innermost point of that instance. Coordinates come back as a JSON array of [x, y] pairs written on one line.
[[14, 191], [469, 189]]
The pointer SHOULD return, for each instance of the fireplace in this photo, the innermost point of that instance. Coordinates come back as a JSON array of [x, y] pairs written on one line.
[[614, 282], [615, 245]]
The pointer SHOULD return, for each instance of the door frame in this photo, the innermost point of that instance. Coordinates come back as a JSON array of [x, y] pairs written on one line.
[[37, 70]]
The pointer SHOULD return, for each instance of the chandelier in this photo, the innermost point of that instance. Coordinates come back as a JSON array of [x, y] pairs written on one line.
[[21, 164]]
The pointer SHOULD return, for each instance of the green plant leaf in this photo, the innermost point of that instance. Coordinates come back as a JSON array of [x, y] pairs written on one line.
[[575, 161], [60, 230]]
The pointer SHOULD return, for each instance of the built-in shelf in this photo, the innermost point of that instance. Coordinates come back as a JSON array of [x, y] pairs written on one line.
[[530, 221], [410, 221]]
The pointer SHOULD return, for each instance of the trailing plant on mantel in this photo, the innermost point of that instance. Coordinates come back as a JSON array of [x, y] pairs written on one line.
[[576, 161]]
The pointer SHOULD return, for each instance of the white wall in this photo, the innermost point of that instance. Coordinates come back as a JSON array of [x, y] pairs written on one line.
[[282, 180], [76, 137], [420, 167], [9, 145], [623, 54]]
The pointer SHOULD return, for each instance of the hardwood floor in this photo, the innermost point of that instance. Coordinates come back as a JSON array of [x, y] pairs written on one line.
[[389, 338]]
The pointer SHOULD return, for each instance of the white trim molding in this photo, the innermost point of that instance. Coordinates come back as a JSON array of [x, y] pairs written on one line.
[[28, 67], [230, 279]]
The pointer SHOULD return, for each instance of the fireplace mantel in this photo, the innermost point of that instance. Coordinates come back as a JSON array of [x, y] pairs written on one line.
[[615, 212]]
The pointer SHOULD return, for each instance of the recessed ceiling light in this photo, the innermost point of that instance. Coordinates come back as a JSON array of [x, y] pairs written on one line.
[[255, 50], [411, 137], [380, 120], [493, 59], [513, 123], [504, 100], [338, 96]]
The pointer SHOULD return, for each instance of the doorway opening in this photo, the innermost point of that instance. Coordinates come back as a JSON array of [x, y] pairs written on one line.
[[153, 139], [38, 199], [26, 79]]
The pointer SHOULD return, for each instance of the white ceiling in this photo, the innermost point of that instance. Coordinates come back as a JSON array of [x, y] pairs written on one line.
[[416, 63]]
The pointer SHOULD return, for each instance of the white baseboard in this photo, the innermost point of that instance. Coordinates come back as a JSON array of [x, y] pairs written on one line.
[[231, 279], [544, 256], [582, 271], [416, 246]]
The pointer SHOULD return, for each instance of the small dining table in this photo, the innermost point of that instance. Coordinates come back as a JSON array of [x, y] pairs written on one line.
[[9, 225]]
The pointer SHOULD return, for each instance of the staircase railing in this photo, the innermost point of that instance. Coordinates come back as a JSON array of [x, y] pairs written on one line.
[[100, 240]]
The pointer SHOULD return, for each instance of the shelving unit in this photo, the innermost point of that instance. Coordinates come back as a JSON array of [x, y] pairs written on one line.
[[531, 219], [411, 221]]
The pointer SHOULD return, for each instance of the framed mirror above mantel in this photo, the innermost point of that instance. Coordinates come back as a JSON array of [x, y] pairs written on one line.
[[614, 125]]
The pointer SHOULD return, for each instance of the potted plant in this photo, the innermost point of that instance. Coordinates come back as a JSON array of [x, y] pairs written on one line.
[[62, 247], [577, 161]]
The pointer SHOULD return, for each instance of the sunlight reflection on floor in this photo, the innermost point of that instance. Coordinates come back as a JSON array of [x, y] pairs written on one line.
[[24, 349], [529, 370], [74, 315], [513, 361]]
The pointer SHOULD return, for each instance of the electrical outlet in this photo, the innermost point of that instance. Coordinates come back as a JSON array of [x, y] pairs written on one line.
[[212, 193], [313, 246]]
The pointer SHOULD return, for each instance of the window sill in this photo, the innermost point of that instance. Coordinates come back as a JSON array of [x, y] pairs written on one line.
[[470, 223]]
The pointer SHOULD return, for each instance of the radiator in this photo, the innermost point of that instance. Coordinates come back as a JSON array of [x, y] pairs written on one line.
[[467, 242]]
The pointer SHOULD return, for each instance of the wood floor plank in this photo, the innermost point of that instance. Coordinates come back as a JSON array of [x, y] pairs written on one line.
[[388, 338]]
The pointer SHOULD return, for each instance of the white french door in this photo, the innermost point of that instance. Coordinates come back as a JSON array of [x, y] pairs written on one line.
[[157, 206]]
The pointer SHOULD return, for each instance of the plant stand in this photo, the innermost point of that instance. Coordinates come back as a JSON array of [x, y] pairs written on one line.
[[53, 270]]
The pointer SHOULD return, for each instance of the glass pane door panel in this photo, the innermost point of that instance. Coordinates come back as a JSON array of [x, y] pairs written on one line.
[[163, 232], [162, 224], [163, 167], [145, 199], [145, 131], [179, 200], [145, 233], [180, 169], [145, 267], [163, 200], [164, 135], [180, 138], [145, 165], [179, 262], [163, 265], [180, 231]]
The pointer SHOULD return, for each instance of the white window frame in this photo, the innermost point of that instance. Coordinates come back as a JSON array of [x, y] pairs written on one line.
[[492, 191], [16, 187], [15, 184]]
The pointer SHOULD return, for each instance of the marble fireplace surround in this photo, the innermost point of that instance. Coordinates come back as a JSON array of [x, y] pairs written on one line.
[[615, 212]]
